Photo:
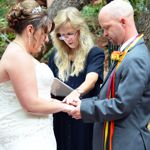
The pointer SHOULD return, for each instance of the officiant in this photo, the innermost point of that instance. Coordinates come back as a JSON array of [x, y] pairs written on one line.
[[79, 63]]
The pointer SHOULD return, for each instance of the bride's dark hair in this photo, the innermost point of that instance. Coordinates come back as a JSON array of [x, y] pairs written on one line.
[[28, 12]]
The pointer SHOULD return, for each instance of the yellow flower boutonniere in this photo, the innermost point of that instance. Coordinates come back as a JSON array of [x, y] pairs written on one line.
[[116, 55]]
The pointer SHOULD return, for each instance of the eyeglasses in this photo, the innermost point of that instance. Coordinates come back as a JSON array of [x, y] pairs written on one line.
[[67, 36]]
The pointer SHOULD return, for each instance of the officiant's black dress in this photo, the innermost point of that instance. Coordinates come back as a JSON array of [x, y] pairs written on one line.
[[73, 134]]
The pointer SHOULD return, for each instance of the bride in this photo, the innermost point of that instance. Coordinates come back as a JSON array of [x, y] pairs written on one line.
[[26, 122]]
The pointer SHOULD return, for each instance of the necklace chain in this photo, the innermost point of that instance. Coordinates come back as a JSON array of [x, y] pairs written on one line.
[[19, 44]]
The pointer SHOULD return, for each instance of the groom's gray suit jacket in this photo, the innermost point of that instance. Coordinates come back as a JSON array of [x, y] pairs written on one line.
[[130, 109]]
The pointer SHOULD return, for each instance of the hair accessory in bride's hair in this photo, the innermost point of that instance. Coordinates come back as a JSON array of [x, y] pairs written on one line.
[[36, 10]]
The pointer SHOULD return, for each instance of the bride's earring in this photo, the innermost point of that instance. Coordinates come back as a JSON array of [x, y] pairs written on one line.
[[29, 40]]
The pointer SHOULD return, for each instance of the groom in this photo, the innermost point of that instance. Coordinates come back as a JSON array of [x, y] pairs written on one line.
[[122, 112]]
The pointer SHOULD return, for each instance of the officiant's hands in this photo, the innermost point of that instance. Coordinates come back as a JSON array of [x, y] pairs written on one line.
[[72, 98]]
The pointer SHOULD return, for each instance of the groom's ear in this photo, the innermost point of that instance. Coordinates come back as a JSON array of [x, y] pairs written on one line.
[[123, 22]]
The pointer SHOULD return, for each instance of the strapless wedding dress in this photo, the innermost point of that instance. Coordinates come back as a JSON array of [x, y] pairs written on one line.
[[20, 130]]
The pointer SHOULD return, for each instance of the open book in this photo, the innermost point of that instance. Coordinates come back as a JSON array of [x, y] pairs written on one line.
[[60, 89]]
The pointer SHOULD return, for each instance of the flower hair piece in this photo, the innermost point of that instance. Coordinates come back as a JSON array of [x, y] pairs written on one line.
[[36, 10]]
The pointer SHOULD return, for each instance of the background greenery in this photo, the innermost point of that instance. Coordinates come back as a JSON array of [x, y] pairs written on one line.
[[90, 12], [5, 35]]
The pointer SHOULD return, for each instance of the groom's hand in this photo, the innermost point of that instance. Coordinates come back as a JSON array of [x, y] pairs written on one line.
[[76, 112]]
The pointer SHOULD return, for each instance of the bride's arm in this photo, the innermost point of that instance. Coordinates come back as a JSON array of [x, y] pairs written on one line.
[[21, 71]]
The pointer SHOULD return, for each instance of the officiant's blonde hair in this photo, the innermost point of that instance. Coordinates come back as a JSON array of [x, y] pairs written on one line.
[[74, 17]]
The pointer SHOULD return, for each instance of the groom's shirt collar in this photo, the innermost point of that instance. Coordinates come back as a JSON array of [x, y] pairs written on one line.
[[122, 48]]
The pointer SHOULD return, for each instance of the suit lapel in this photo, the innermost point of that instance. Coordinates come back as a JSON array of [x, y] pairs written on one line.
[[141, 41], [115, 63], [109, 72]]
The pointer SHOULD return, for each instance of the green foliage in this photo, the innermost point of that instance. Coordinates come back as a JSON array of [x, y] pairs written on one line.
[[3, 23], [4, 8], [90, 13], [91, 10], [139, 6], [5, 37], [4, 40]]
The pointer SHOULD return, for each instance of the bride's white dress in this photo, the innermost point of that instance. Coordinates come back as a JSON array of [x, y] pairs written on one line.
[[20, 130]]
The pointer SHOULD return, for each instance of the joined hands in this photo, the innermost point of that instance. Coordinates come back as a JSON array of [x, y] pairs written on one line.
[[75, 103]]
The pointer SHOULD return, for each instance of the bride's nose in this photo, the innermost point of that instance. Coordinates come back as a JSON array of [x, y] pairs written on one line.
[[46, 38]]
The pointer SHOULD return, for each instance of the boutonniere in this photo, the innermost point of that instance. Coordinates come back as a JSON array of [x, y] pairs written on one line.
[[116, 55]]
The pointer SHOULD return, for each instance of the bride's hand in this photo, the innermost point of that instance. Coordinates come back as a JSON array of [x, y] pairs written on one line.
[[68, 108]]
